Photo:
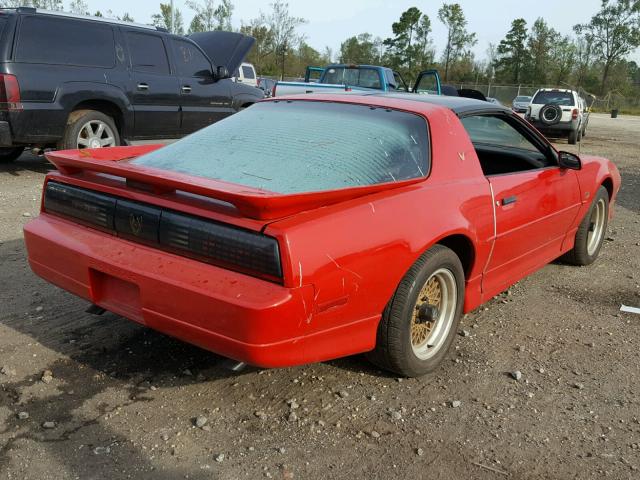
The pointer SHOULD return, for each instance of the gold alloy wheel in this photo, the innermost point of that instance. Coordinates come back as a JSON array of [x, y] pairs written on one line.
[[431, 294], [440, 293]]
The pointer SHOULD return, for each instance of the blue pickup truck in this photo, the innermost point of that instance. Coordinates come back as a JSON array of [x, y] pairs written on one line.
[[342, 78]]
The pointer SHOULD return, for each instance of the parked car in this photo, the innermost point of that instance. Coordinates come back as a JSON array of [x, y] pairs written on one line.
[[521, 103], [73, 81], [266, 85], [246, 73], [495, 101], [342, 78], [270, 252], [558, 113]]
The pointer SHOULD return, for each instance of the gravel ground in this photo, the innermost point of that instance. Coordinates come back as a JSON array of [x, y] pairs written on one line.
[[542, 383]]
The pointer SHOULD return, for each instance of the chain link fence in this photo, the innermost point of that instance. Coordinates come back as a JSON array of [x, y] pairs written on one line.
[[506, 93]]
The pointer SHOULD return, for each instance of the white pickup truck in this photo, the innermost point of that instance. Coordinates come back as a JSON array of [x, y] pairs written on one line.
[[341, 78]]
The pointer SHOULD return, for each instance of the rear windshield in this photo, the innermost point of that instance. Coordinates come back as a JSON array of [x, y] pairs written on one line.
[[522, 99], [555, 98], [356, 77], [302, 146], [247, 72]]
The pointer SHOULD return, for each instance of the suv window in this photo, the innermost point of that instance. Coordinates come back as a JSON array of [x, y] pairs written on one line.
[[553, 97], [247, 72], [147, 53], [191, 62], [46, 39]]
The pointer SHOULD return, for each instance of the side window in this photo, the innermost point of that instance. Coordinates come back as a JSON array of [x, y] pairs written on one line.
[[248, 72], [369, 78], [501, 146], [147, 53], [61, 41], [191, 62], [427, 83], [400, 85]]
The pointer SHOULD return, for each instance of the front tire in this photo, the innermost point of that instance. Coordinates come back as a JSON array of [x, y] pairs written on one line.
[[9, 154], [591, 232], [420, 322], [89, 129]]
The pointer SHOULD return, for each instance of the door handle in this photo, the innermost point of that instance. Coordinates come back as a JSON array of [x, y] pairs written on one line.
[[143, 86], [186, 89], [509, 200]]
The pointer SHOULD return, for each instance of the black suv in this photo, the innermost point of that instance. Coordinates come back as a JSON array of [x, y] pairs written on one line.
[[70, 81]]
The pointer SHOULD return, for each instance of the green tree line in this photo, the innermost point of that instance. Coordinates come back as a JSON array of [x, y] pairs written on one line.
[[595, 56]]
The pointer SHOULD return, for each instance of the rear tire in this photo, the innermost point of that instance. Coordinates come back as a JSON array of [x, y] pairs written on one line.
[[9, 154], [591, 232], [420, 322], [573, 137], [89, 129]]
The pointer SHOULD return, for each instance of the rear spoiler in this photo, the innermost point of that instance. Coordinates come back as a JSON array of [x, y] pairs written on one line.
[[249, 201]]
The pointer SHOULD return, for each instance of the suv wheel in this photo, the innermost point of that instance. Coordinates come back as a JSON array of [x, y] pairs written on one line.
[[9, 154], [89, 129], [573, 137]]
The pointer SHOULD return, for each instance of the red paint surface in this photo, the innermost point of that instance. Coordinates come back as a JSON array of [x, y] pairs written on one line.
[[343, 252]]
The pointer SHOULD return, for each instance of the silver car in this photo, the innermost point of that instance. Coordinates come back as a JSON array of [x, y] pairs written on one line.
[[520, 103]]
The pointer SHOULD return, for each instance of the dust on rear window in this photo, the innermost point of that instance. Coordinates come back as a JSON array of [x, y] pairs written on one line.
[[553, 97], [303, 146]]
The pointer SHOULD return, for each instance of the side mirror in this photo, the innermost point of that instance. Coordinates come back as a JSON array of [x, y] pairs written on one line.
[[222, 73], [569, 160]]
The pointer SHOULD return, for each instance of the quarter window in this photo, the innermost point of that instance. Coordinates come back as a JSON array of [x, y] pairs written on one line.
[[147, 53], [60, 41]]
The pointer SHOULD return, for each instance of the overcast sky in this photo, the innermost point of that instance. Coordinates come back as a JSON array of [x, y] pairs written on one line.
[[332, 21]]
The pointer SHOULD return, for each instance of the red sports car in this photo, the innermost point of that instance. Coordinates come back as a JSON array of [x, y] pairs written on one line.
[[314, 227]]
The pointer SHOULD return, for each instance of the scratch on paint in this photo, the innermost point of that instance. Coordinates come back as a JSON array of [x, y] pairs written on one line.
[[306, 314], [300, 265], [343, 268], [373, 209]]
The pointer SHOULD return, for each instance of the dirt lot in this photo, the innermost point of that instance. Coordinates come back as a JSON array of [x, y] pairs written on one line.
[[124, 399]]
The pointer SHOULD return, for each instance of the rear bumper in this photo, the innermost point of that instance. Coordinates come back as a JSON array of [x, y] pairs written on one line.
[[235, 315], [558, 128], [6, 139]]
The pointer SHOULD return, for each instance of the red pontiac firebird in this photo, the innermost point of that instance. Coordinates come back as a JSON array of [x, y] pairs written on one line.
[[314, 227]]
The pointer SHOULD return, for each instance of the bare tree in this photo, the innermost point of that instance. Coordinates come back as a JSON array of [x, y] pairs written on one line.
[[79, 7], [614, 32], [283, 28], [209, 16], [166, 18], [55, 5]]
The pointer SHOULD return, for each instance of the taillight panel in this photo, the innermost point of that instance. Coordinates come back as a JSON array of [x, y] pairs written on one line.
[[10, 93], [228, 246]]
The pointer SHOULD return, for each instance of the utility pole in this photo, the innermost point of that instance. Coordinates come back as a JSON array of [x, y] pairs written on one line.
[[172, 19]]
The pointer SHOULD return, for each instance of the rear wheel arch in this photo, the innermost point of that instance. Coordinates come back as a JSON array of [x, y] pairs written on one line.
[[608, 184], [463, 247], [104, 106]]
